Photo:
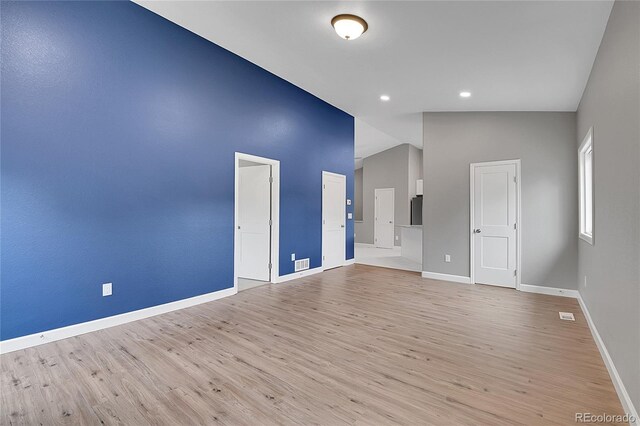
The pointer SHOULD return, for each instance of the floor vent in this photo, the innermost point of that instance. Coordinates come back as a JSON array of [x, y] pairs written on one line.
[[567, 316], [301, 264]]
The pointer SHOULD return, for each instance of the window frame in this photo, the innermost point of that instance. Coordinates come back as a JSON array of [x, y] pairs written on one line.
[[586, 146]]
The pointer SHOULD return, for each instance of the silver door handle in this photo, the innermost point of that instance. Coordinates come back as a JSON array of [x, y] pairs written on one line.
[[341, 226], [476, 231]]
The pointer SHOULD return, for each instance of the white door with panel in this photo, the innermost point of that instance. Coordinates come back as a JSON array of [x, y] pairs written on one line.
[[334, 212], [494, 226], [384, 218], [254, 222]]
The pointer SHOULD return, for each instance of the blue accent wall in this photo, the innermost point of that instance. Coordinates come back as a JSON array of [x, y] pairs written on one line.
[[118, 136]]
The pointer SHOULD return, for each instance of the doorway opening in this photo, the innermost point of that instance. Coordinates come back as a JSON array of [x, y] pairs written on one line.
[[495, 233], [256, 221]]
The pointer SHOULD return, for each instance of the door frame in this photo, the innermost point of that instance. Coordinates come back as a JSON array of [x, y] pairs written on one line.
[[325, 173], [472, 167], [393, 209], [275, 215]]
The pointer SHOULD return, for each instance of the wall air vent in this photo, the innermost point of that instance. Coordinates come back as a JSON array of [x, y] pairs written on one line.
[[301, 264]]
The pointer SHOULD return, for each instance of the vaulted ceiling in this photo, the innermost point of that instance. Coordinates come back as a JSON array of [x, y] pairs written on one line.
[[511, 55]]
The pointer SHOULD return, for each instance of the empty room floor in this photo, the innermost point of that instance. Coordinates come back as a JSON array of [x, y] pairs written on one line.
[[357, 344], [367, 254]]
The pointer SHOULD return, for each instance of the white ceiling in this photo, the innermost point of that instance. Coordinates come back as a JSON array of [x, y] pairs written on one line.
[[376, 141], [512, 55]]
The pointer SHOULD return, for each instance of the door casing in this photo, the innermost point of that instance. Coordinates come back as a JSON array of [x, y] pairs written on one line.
[[472, 167], [275, 215]]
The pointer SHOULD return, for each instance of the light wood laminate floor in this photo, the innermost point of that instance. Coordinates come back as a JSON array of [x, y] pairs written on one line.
[[357, 344]]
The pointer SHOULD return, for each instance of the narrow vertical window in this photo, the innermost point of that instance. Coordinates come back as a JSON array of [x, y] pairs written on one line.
[[585, 158]]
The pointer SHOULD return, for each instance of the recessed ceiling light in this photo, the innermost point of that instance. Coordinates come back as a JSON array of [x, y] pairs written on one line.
[[384, 98], [349, 27], [465, 94]]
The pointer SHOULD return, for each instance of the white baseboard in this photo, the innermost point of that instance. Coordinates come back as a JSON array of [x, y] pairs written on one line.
[[553, 291], [102, 323], [364, 245], [625, 399], [296, 275], [349, 262], [446, 277]]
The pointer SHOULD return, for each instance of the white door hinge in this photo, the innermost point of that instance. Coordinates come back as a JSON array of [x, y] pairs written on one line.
[[270, 179]]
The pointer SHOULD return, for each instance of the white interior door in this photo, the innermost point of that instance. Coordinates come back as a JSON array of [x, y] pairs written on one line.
[[384, 220], [334, 212], [494, 224], [254, 222]]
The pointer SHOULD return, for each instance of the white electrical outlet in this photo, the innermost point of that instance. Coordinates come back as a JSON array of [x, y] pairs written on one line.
[[447, 258], [107, 289], [293, 257], [349, 215]]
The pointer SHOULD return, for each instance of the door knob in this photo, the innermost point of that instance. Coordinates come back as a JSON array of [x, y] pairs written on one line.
[[390, 222], [476, 231]]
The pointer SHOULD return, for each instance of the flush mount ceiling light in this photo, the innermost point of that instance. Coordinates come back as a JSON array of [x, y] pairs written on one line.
[[384, 98], [465, 94], [349, 27]]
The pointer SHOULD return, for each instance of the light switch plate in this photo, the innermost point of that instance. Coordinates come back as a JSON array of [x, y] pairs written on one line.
[[293, 257], [107, 289], [447, 258], [348, 202]]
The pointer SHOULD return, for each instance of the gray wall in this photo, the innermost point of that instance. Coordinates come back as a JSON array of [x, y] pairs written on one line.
[[611, 104], [545, 143], [387, 169], [357, 195]]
